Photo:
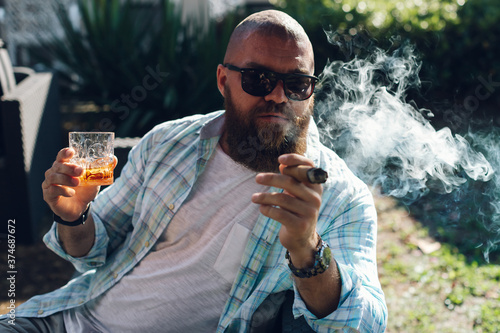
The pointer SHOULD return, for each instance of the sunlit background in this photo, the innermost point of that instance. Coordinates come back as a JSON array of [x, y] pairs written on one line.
[[409, 97]]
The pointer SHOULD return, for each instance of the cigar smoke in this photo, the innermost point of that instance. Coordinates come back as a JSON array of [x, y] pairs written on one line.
[[388, 142]]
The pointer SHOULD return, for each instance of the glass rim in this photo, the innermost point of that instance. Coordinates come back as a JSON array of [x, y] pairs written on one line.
[[90, 132]]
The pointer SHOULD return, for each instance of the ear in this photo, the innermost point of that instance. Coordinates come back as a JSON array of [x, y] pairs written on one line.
[[221, 79]]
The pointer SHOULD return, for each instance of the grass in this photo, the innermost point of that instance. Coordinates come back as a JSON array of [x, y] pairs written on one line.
[[432, 286]]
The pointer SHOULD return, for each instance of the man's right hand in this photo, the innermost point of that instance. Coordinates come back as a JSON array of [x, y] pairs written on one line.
[[61, 191]]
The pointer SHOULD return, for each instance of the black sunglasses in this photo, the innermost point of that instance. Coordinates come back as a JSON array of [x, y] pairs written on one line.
[[261, 82]]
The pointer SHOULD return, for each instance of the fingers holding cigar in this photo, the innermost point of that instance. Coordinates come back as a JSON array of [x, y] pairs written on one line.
[[301, 183], [297, 206], [304, 174], [301, 170]]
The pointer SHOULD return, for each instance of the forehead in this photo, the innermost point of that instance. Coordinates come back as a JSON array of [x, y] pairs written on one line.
[[275, 53]]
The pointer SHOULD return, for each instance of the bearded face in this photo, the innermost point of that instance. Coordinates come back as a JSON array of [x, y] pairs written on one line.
[[256, 144]]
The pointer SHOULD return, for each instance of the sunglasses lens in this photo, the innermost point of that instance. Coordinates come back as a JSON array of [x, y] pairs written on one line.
[[261, 83], [299, 87], [257, 82]]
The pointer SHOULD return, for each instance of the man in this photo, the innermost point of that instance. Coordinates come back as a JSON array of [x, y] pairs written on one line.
[[209, 227]]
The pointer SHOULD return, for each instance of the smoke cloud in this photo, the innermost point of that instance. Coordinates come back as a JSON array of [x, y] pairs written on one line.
[[388, 142]]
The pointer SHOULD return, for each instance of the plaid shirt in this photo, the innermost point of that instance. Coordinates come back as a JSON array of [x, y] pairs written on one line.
[[132, 214]]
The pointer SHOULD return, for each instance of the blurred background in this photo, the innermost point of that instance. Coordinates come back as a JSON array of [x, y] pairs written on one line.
[[127, 65]]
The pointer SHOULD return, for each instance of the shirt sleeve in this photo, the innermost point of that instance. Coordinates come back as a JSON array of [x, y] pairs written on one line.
[[112, 211], [352, 238], [96, 256]]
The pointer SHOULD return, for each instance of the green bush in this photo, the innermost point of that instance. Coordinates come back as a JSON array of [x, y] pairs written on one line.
[[140, 62], [457, 41]]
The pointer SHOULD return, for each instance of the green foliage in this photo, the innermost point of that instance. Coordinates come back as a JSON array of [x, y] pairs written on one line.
[[141, 61], [488, 321], [457, 40], [119, 41], [425, 292]]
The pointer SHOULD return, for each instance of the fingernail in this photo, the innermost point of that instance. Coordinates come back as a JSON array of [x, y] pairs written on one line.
[[78, 170]]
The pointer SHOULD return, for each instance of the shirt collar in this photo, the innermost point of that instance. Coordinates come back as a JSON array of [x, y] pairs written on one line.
[[213, 127]]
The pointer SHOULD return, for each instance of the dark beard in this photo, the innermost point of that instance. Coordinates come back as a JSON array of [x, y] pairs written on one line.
[[258, 148]]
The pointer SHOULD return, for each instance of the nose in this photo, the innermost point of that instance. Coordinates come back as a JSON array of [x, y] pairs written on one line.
[[278, 94]]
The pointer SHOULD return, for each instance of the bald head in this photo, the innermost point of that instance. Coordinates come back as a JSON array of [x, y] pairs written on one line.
[[270, 23]]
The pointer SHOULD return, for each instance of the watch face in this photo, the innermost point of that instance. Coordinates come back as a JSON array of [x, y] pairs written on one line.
[[327, 255]]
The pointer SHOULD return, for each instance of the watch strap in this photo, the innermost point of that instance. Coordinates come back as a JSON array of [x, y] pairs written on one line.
[[79, 221], [322, 259]]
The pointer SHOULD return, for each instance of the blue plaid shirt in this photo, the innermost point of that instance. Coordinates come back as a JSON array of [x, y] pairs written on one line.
[[132, 214]]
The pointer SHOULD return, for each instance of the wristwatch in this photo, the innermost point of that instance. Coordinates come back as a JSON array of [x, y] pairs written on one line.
[[322, 259], [80, 220]]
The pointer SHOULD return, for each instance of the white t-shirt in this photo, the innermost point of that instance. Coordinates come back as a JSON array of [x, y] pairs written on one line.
[[184, 282]]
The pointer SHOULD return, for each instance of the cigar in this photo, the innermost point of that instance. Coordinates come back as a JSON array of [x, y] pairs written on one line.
[[305, 173]]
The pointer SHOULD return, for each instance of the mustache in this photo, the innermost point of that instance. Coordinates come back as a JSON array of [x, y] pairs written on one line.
[[272, 107]]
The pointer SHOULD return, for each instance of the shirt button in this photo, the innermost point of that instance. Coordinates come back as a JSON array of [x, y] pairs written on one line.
[[146, 244], [171, 206], [40, 312], [115, 276]]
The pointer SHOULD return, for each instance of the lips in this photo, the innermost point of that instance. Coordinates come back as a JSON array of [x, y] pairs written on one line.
[[273, 116], [273, 113]]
